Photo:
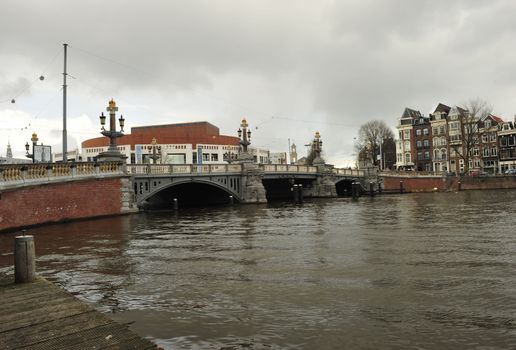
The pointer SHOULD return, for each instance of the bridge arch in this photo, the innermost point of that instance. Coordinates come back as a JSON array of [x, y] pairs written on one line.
[[343, 186], [146, 189]]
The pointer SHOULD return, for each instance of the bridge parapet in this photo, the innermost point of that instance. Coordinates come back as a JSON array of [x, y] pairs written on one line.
[[14, 175], [283, 168], [183, 169], [349, 172]]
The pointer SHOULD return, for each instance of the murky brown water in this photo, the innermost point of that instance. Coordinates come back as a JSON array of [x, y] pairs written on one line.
[[428, 271]]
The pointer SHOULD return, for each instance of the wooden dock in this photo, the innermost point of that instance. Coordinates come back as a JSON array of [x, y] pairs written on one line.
[[40, 315]]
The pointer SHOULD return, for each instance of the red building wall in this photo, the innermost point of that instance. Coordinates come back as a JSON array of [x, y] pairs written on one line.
[[59, 202], [185, 133]]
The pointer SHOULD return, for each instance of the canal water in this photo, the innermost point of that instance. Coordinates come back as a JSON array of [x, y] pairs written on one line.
[[412, 271]]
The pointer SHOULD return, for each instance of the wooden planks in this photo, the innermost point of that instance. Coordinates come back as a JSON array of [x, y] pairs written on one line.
[[40, 315]]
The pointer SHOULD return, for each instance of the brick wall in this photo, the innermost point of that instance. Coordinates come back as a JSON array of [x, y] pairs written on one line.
[[413, 184], [61, 201], [429, 184]]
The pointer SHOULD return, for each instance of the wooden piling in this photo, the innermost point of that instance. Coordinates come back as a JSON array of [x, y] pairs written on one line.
[[24, 259]]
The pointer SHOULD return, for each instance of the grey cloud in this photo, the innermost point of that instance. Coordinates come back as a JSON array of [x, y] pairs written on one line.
[[344, 62]]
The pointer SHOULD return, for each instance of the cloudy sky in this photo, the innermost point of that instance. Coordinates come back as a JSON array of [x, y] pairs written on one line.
[[292, 67]]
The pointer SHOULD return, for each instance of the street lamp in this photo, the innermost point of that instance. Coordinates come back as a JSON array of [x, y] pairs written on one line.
[[34, 140], [112, 151], [154, 147], [246, 133]]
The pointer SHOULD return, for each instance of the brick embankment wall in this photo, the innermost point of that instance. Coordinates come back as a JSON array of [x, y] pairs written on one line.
[[438, 183], [414, 184], [488, 183], [56, 202]]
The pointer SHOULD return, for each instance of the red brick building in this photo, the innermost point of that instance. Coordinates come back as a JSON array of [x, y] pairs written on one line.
[[180, 143]]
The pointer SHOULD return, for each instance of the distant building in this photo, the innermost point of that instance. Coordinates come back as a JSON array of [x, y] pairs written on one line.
[[183, 143], [9, 159], [507, 144], [406, 142]]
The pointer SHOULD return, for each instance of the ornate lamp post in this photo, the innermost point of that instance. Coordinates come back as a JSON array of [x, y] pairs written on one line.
[[246, 133], [34, 140], [112, 153], [155, 148]]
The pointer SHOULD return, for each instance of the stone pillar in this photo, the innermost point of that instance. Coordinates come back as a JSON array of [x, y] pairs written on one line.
[[324, 186], [252, 186], [128, 196]]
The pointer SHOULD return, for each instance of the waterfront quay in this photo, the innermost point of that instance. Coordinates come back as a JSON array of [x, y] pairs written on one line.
[[40, 315]]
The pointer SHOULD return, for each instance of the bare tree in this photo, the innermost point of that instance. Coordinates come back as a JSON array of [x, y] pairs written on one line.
[[469, 119], [371, 136]]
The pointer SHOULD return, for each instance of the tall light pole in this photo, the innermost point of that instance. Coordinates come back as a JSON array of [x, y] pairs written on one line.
[[112, 152], [65, 143]]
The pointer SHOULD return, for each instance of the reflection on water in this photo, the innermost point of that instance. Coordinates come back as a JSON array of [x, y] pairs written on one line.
[[428, 271]]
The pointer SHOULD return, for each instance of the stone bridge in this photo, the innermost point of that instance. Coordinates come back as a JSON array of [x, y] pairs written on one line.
[[32, 194], [245, 182]]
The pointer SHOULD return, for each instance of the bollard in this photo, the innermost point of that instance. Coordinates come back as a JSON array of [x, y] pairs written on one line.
[[371, 189], [295, 193], [459, 185], [401, 187], [24, 259], [354, 194], [379, 188], [300, 193], [175, 204], [231, 201]]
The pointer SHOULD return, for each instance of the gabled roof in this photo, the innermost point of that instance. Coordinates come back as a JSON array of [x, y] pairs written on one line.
[[410, 114], [442, 108], [496, 119]]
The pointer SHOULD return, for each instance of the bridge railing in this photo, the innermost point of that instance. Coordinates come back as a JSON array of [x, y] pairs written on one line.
[[349, 172], [34, 172], [283, 168], [171, 169]]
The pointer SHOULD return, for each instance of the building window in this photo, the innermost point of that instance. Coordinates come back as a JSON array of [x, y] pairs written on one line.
[[492, 137], [427, 155], [443, 154], [214, 157], [407, 145], [205, 157], [419, 156], [425, 131], [494, 151], [485, 152], [406, 134], [425, 143], [418, 132], [407, 157], [418, 144]]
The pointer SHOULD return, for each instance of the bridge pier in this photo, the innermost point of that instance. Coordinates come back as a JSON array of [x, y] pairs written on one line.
[[324, 185], [252, 185]]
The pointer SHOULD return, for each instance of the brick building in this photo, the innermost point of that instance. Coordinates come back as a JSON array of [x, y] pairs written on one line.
[[184, 143]]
